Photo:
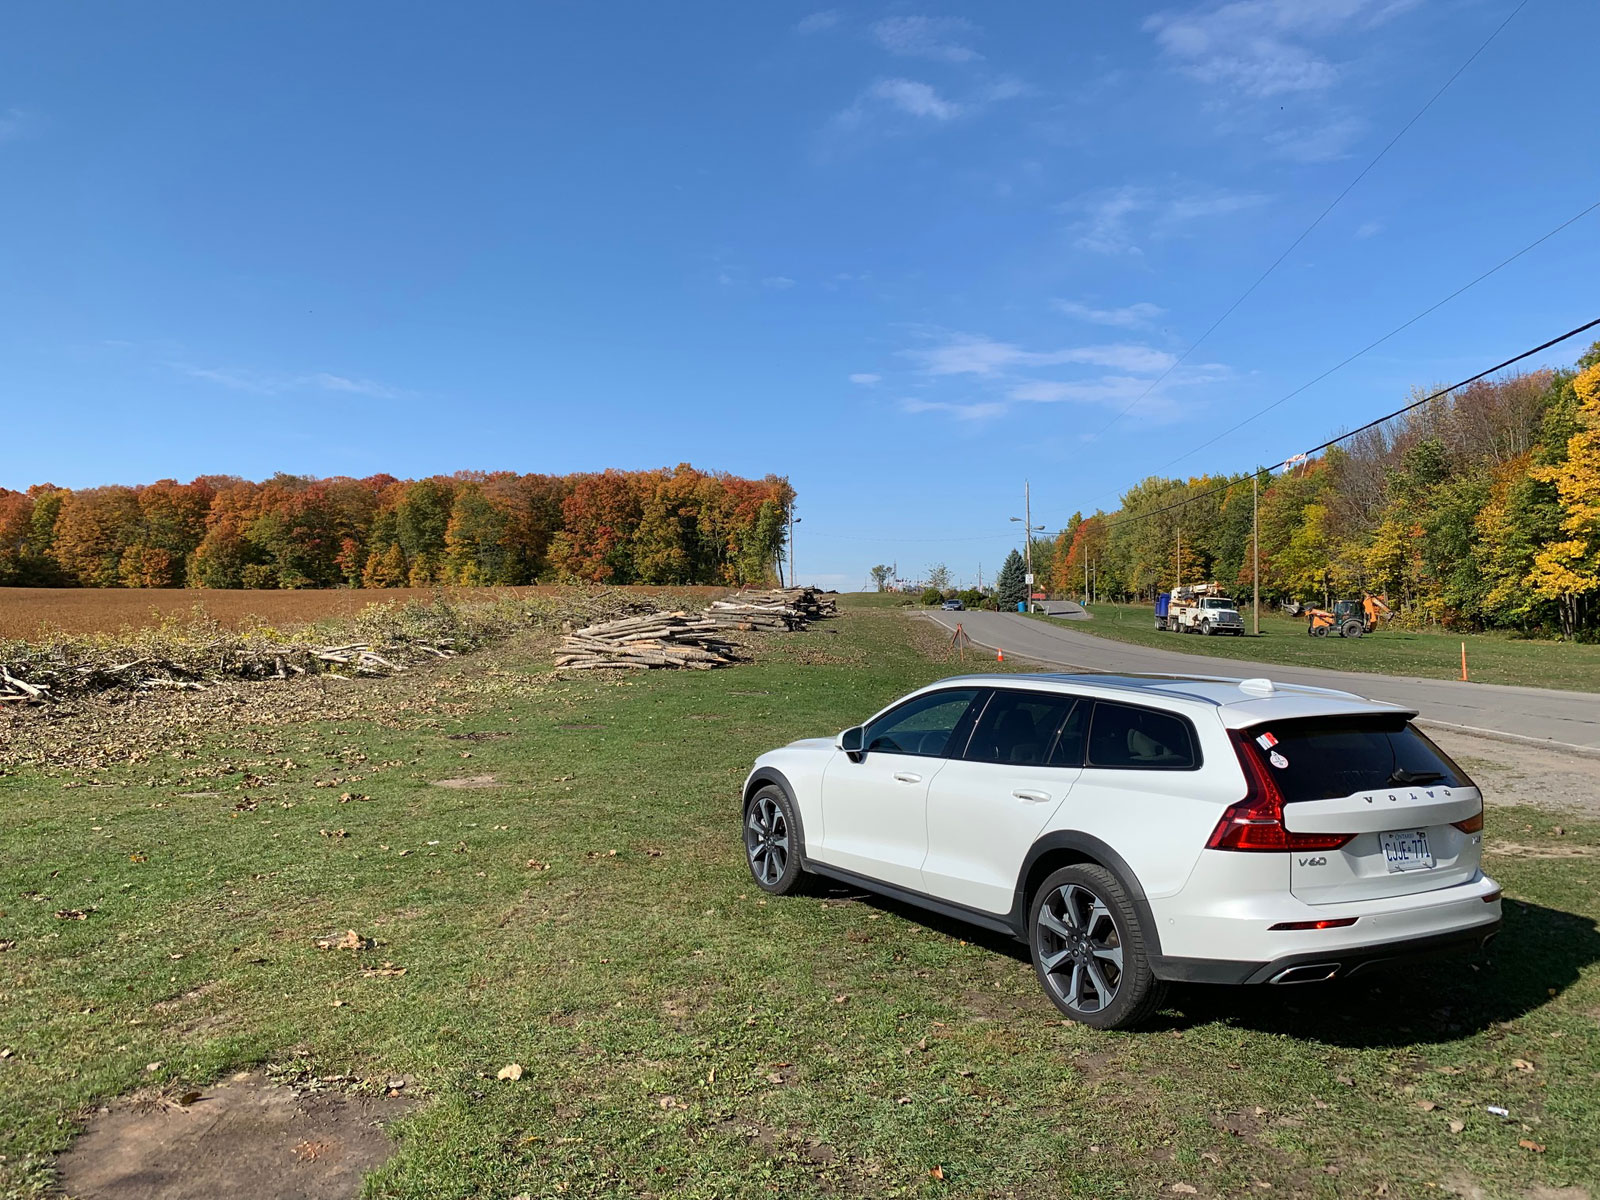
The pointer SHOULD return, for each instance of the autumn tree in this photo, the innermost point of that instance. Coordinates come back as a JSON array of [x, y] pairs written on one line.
[[1568, 571], [94, 530]]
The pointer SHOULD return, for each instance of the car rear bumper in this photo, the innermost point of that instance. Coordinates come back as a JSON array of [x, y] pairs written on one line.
[[1319, 965]]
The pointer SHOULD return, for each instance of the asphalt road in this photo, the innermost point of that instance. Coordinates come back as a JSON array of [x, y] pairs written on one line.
[[1569, 720]]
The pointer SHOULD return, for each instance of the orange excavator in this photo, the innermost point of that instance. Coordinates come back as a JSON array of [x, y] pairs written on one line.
[[1349, 619]]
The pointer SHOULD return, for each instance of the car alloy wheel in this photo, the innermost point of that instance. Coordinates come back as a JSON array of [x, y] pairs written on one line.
[[1089, 948], [1080, 949], [766, 840]]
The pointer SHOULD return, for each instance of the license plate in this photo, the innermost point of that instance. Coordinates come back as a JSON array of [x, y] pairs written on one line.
[[1407, 850]]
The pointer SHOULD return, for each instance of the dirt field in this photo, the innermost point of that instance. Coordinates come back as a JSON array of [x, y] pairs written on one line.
[[27, 612]]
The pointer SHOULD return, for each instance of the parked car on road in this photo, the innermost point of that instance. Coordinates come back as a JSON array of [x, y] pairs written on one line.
[[953, 605], [1136, 830]]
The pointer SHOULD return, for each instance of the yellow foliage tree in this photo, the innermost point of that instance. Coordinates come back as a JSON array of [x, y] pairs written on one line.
[[1568, 570]]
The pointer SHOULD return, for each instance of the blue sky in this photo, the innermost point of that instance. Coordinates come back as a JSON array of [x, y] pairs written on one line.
[[905, 255]]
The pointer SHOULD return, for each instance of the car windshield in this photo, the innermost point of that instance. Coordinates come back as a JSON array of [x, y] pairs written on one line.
[[1219, 602], [1322, 758]]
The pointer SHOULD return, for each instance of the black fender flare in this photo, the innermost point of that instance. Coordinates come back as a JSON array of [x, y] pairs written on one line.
[[1090, 847], [763, 776]]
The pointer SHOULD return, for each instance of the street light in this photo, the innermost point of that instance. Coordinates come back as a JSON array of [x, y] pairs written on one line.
[[793, 521]]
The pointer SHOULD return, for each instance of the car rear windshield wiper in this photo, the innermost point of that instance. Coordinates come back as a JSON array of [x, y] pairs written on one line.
[[1405, 778]]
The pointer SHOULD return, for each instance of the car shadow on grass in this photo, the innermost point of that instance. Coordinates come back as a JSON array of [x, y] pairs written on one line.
[[1538, 954]]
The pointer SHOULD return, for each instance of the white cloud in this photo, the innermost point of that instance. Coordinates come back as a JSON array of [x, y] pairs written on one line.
[[1260, 47], [817, 22], [1368, 229], [14, 123], [974, 354], [1159, 403], [1133, 316], [914, 98], [355, 387], [939, 39], [981, 411], [865, 377], [1106, 218], [777, 283], [263, 384], [1325, 142], [238, 380]]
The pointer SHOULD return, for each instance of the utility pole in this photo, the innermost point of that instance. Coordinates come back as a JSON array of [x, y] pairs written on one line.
[[1028, 530], [1027, 545], [1178, 564], [1255, 551], [1086, 574], [794, 579]]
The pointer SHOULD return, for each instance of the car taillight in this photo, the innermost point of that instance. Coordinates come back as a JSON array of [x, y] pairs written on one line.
[[1329, 923], [1473, 824], [1256, 822]]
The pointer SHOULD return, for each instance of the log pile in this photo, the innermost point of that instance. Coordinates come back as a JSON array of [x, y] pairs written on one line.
[[672, 639], [776, 610]]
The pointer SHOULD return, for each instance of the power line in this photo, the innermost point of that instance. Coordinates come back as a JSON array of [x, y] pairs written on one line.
[[1506, 262], [1349, 187], [1343, 437]]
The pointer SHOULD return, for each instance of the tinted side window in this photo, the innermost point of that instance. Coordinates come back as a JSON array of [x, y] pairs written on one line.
[[1074, 737], [922, 726], [1140, 739], [1019, 727]]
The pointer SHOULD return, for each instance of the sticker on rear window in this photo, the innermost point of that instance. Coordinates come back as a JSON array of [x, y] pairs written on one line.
[[1277, 760], [1266, 741]]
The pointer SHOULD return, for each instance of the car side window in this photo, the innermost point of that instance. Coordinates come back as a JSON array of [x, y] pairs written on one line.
[[922, 726], [1020, 727], [1130, 738], [1074, 737]]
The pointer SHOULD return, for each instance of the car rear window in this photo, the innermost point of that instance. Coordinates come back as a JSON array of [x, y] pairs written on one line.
[[1323, 758]]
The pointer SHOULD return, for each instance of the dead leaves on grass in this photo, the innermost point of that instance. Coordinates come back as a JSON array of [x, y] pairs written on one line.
[[511, 1071], [350, 940]]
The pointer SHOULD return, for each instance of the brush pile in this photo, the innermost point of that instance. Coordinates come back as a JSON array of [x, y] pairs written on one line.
[[55, 676], [777, 610], [669, 639], [195, 655]]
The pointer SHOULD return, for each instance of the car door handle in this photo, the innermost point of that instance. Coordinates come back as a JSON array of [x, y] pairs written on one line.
[[1030, 794], [908, 777]]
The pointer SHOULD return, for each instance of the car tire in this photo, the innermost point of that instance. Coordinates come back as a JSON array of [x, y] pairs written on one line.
[[1089, 949], [772, 841], [1206, 628]]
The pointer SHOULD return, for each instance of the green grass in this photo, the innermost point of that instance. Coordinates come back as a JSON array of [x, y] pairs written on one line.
[[1491, 657], [682, 1034]]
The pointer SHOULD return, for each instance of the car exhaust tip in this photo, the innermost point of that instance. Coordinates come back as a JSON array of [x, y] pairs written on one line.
[[1307, 973]]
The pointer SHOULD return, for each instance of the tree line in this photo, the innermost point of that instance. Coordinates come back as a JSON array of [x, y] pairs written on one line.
[[1478, 510], [672, 526]]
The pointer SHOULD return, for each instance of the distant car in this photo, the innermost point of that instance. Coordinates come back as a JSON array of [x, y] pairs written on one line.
[[1136, 830], [953, 606]]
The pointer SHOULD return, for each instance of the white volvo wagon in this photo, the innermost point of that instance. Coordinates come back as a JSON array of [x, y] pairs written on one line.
[[1140, 830]]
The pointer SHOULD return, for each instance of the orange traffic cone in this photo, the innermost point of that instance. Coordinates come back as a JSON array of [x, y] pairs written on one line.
[[999, 656]]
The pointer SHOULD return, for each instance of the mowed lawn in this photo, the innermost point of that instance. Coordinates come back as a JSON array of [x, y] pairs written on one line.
[[680, 1034], [1491, 657]]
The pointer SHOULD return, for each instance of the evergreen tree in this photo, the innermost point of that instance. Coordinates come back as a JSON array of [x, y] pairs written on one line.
[[1011, 589]]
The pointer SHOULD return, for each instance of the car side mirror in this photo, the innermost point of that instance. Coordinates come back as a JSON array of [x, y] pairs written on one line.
[[850, 741]]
